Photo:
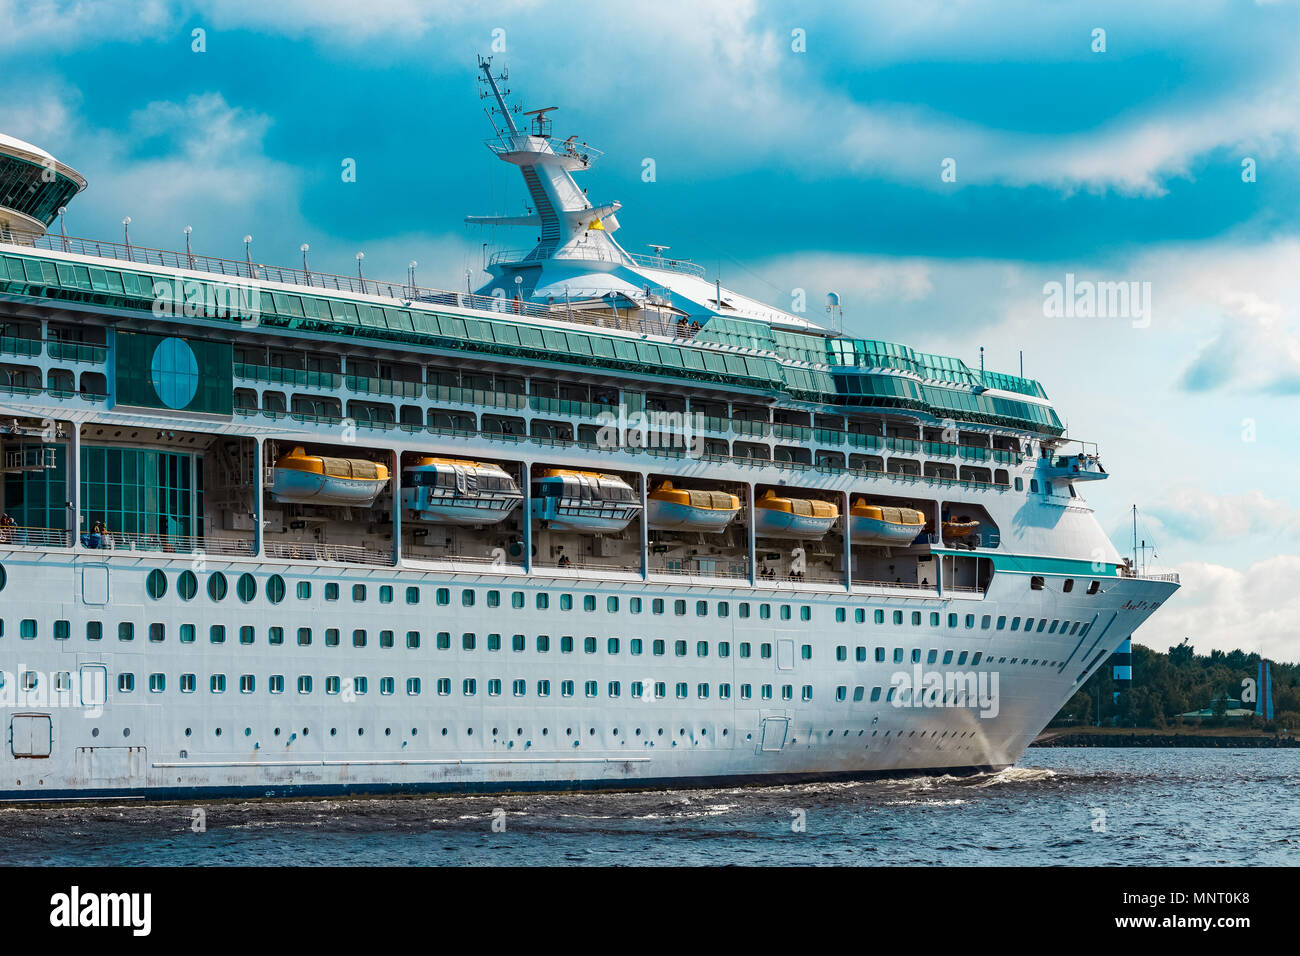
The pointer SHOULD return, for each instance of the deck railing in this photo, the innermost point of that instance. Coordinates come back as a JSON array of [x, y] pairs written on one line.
[[1170, 576], [310, 551], [20, 537]]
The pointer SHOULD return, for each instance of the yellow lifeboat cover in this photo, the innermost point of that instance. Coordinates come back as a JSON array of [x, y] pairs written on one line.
[[803, 507], [707, 500], [903, 516], [360, 469]]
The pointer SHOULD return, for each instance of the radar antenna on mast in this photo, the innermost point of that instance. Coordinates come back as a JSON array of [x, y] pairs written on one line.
[[542, 122]]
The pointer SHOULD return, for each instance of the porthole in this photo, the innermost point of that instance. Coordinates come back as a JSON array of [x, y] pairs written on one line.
[[275, 589], [4, 576], [156, 584], [187, 585], [246, 588], [217, 586]]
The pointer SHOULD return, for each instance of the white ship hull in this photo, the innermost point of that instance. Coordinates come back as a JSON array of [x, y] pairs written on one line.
[[175, 743]]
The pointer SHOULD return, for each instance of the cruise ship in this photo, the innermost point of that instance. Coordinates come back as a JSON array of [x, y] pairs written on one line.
[[598, 523]]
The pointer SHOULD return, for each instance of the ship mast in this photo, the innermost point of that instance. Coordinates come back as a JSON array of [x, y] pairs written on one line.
[[485, 64]]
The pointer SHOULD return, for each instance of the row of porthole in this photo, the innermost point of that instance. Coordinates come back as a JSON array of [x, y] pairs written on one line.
[[469, 731], [519, 732], [187, 586]]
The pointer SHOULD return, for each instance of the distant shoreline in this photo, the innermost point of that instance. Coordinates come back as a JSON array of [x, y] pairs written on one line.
[[1152, 737]]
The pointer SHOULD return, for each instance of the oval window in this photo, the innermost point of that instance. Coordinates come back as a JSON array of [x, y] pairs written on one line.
[[156, 584], [187, 585], [275, 589], [217, 586], [246, 588]]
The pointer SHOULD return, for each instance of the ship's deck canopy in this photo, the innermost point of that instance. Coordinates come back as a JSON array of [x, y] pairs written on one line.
[[33, 186]]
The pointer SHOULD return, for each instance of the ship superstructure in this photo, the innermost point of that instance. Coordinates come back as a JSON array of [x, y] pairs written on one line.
[[602, 523]]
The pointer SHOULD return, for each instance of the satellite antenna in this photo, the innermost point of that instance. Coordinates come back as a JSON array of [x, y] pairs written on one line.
[[834, 311]]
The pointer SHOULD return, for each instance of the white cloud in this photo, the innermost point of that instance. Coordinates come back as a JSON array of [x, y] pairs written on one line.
[[1195, 514], [41, 24], [1256, 348], [1221, 608], [198, 162], [730, 63], [347, 21]]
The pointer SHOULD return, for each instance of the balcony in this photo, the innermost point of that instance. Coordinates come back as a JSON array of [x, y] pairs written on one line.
[[751, 429], [397, 388], [12, 345], [78, 352], [477, 396], [274, 375], [870, 442], [1079, 467], [35, 538], [908, 445], [792, 432], [571, 407], [940, 449]]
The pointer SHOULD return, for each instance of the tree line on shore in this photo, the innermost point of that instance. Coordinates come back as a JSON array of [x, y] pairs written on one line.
[[1166, 685]]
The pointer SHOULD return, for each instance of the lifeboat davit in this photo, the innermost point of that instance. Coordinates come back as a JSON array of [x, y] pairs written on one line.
[[300, 478], [805, 518], [586, 502], [879, 524], [683, 509], [457, 492]]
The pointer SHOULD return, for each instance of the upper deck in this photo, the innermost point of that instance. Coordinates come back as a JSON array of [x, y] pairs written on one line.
[[724, 353]]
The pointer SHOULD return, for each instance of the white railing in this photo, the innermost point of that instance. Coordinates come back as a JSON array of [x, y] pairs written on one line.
[[17, 537], [166, 543], [343, 553], [1170, 576]]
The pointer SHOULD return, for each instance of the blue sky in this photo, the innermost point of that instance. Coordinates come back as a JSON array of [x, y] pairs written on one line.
[[786, 169]]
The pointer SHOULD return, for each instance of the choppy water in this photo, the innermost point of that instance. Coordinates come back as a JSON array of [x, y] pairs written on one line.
[[1172, 807]]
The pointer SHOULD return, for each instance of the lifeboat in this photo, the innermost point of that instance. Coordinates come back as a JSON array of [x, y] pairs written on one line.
[[878, 524], [682, 509], [300, 478], [456, 492], [586, 502], [776, 517], [960, 527]]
